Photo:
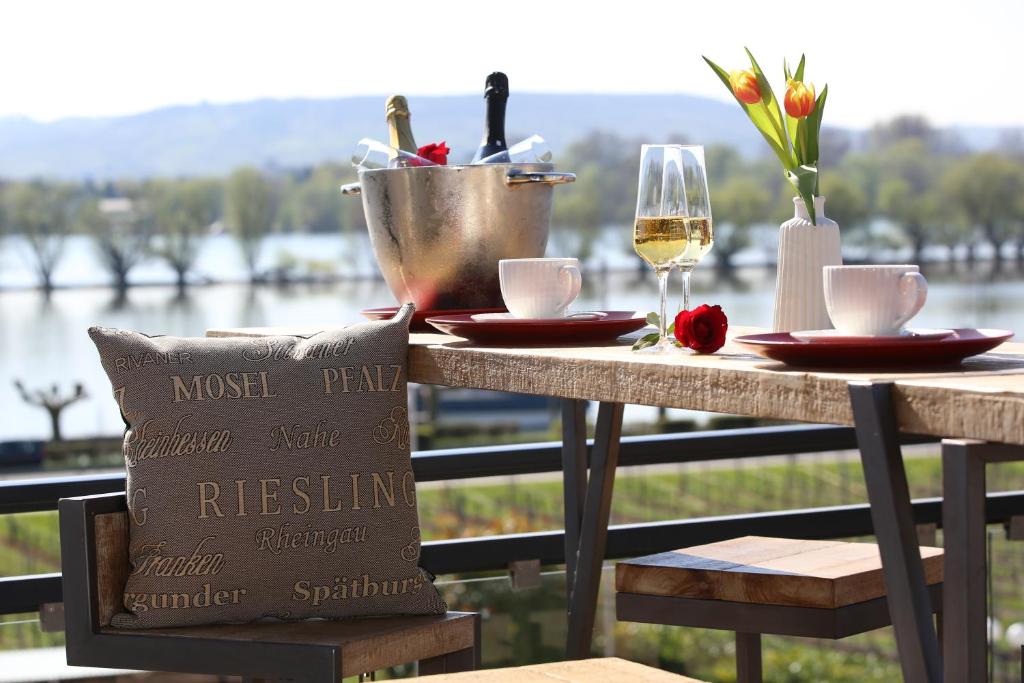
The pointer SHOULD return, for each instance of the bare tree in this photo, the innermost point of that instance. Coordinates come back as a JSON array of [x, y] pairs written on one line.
[[52, 401]]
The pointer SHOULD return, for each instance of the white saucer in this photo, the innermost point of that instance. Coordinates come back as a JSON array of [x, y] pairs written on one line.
[[909, 334], [502, 317]]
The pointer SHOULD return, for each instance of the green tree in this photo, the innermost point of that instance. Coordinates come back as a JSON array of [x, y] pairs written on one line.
[[607, 167], [578, 214], [316, 203], [900, 128], [987, 189], [845, 201], [182, 213], [885, 134], [737, 205], [250, 209], [41, 214], [722, 162], [917, 213], [4, 217], [907, 195]]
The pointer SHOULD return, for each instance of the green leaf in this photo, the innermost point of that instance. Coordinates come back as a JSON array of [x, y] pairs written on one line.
[[805, 180], [761, 116], [653, 319], [813, 125], [646, 340], [797, 137], [800, 69], [771, 107]]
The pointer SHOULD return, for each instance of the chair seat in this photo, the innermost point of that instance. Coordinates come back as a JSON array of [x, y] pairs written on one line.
[[768, 571], [363, 644], [607, 670]]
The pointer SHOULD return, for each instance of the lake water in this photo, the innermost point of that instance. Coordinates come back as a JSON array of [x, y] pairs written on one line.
[[43, 341]]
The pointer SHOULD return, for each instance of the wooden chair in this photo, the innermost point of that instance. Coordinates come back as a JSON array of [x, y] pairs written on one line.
[[607, 670], [754, 585], [94, 558]]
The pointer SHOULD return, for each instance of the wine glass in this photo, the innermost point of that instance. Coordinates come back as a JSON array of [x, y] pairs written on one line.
[[700, 233], [673, 219]]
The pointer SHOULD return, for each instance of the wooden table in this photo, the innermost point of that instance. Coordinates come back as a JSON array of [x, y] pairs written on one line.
[[607, 670], [981, 401]]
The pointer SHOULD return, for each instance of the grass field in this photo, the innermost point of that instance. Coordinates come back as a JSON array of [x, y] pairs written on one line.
[[528, 625]]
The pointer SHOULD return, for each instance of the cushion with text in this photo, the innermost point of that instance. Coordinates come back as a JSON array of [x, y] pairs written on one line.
[[268, 476]]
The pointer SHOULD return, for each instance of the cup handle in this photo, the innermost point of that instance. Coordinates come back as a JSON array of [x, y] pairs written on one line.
[[575, 283], [919, 293]]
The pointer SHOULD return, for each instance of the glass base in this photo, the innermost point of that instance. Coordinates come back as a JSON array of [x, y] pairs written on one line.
[[666, 347]]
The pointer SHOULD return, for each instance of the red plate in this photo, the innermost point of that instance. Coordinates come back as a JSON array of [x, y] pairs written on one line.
[[513, 332], [419, 318], [961, 344]]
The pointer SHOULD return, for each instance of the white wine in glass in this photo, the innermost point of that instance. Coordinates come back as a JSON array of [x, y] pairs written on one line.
[[673, 219], [672, 240]]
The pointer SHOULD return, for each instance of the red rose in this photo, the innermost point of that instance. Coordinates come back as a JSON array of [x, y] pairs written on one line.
[[702, 329], [436, 152]]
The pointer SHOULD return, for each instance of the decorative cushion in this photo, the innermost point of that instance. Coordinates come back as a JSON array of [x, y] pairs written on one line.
[[269, 476]]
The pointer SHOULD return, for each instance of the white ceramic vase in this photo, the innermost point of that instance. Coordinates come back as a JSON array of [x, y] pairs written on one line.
[[804, 250]]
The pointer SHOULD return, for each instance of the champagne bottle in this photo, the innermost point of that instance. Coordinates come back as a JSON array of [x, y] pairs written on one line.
[[396, 111], [496, 97]]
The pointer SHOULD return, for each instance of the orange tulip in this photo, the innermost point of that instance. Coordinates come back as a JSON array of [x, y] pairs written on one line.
[[745, 87], [799, 99]]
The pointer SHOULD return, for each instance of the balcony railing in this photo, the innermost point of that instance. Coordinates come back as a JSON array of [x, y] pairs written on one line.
[[19, 594]]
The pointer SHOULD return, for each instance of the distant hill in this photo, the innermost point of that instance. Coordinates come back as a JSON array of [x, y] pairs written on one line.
[[213, 139]]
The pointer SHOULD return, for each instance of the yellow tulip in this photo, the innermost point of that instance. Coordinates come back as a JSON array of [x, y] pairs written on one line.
[[745, 87], [799, 99]]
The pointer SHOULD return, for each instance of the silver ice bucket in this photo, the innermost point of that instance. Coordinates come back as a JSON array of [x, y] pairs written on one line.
[[439, 231]]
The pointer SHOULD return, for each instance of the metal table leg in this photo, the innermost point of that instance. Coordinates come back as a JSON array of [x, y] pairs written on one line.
[[748, 658], [892, 518], [574, 481], [587, 508], [963, 526]]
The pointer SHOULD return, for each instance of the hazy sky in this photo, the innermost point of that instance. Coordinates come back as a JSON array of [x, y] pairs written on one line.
[[956, 62]]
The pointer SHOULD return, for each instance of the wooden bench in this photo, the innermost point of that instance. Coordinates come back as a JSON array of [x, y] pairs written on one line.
[[754, 585], [608, 670], [94, 558]]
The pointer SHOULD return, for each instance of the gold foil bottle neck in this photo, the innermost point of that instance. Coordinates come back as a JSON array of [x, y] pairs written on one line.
[[396, 105]]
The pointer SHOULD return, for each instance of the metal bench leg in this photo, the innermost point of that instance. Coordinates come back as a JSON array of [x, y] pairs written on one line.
[[892, 518], [963, 528], [453, 662], [467, 659], [588, 545], [748, 657], [965, 646]]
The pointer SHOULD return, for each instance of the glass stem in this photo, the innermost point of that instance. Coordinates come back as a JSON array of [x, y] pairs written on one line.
[[686, 290], [662, 317]]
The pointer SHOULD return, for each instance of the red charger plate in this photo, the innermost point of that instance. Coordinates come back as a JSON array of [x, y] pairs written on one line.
[[518, 332], [963, 343], [419, 318]]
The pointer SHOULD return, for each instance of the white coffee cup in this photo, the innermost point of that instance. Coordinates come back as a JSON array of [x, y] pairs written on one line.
[[873, 301], [539, 287]]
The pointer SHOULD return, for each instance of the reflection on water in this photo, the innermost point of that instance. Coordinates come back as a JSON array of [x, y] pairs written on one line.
[[44, 340]]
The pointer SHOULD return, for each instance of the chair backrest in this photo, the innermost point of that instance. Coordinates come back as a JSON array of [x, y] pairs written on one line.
[[112, 567], [94, 559]]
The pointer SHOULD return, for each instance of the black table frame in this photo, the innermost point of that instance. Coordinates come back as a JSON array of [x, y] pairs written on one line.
[[588, 505]]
